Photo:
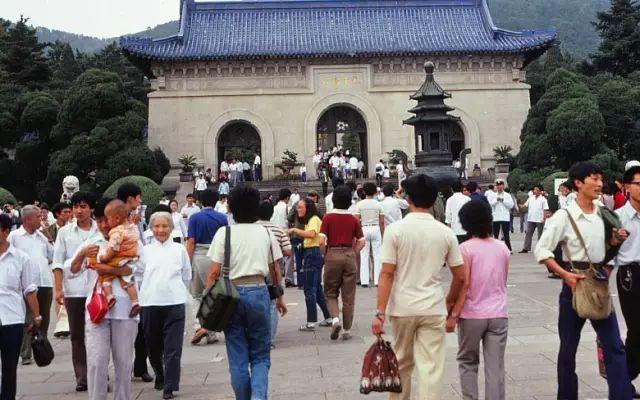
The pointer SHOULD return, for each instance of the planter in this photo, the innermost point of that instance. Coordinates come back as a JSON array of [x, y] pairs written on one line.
[[477, 172], [502, 168], [186, 176]]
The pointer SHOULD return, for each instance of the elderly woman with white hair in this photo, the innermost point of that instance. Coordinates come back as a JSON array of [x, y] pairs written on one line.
[[165, 271]]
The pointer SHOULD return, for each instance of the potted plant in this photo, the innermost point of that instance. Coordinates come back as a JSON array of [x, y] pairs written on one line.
[[502, 154], [188, 162]]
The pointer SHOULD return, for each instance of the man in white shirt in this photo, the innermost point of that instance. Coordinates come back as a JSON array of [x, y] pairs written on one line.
[[537, 209], [201, 185], [233, 177], [257, 168], [628, 278], [489, 191], [501, 204], [411, 295], [334, 161], [224, 168], [72, 288], [189, 209], [317, 158], [328, 201], [294, 199], [400, 171], [361, 171], [353, 164], [586, 177], [392, 205], [379, 173], [563, 195], [371, 215], [452, 210], [279, 218], [35, 244]]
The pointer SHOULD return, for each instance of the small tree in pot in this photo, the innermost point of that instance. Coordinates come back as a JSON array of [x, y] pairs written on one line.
[[188, 162], [502, 155]]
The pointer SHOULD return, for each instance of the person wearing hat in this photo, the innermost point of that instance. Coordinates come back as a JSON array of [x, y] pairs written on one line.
[[501, 204]]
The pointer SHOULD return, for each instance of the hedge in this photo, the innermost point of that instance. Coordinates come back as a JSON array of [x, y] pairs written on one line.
[[151, 191], [6, 197]]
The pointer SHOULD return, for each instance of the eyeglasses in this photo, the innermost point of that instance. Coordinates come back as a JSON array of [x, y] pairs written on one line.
[[634, 183]]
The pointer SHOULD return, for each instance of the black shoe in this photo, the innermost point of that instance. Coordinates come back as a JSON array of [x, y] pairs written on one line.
[[288, 284], [167, 394], [524, 251], [159, 385], [145, 377], [365, 286], [81, 387]]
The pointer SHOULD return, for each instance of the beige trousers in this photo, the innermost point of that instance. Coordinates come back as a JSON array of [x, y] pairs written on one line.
[[419, 342]]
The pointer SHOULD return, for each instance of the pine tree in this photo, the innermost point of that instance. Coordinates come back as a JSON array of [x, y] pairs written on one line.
[[619, 28], [22, 58], [63, 63]]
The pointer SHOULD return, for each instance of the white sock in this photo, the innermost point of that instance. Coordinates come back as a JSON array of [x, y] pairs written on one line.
[[335, 320], [311, 324], [346, 331]]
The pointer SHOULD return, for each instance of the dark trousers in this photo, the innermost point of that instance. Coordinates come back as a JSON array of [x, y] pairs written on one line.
[[504, 225], [531, 227], [629, 304], [140, 360], [313, 292], [45, 297], [297, 255], [10, 339], [163, 331], [569, 328], [378, 180], [75, 311], [325, 187]]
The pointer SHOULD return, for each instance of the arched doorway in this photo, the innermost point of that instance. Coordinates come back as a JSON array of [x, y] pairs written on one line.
[[342, 125], [457, 142], [238, 140]]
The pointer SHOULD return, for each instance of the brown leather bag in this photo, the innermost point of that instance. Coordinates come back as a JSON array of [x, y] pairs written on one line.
[[380, 372]]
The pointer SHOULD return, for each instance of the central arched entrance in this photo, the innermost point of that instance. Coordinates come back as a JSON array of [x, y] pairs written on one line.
[[342, 125], [238, 140]]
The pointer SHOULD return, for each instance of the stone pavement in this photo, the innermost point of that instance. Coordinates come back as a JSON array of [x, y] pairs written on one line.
[[308, 366]]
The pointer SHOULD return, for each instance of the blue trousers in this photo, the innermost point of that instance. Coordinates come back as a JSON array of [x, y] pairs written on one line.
[[569, 328], [10, 340], [313, 292], [248, 341]]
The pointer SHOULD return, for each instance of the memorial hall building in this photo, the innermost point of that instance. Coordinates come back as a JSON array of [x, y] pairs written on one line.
[[297, 75]]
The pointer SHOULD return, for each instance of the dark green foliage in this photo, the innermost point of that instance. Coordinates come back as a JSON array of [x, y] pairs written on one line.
[[8, 129], [530, 178], [6, 197], [619, 28], [163, 163], [619, 103], [40, 115], [63, 63], [132, 160], [351, 142], [151, 192], [21, 56]]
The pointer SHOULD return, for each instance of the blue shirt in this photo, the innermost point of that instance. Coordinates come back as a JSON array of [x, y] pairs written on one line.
[[204, 224], [479, 197], [223, 188]]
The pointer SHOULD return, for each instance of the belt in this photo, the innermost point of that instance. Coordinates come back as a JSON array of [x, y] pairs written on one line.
[[632, 265], [341, 247], [583, 265], [370, 225], [250, 280]]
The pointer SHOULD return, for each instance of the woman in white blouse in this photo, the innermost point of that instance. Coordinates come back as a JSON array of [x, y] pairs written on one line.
[[252, 254], [165, 271], [19, 280], [179, 231]]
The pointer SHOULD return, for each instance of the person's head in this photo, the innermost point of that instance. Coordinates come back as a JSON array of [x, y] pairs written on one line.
[[284, 195], [361, 194], [31, 218], [465, 191], [337, 181], [499, 185], [62, 212], [44, 213], [342, 197], [313, 195], [521, 188], [209, 198], [631, 182], [5, 227], [306, 209], [161, 225], [491, 187], [243, 204], [190, 199], [265, 210], [388, 189], [565, 188], [116, 213], [456, 187], [586, 177], [173, 205], [476, 219], [130, 194], [100, 216], [536, 190], [352, 185], [223, 198], [370, 189], [472, 187], [421, 191], [82, 203]]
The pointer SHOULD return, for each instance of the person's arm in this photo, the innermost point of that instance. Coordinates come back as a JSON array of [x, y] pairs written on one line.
[[385, 283], [186, 270], [78, 259], [448, 213], [214, 273], [359, 245], [381, 223], [508, 201], [104, 269], [310, 234], [29, 280], [191, 246], [183, 228], [551, 236], [457, 294], [32, 302], [492, 199], [59, 250], [108, 255]]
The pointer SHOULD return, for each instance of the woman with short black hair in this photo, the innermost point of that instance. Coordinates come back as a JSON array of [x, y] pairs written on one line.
[[179, 232]]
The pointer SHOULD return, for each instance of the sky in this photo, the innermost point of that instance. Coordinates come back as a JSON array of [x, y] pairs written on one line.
[[99, 18]]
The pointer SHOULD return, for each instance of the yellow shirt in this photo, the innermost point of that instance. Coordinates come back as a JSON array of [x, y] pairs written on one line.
[[313, 225]]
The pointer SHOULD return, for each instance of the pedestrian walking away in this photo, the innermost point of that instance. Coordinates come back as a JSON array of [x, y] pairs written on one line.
[[371, 215], [452, 209]]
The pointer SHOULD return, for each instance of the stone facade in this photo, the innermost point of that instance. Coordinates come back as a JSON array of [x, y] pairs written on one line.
[[193, 102]]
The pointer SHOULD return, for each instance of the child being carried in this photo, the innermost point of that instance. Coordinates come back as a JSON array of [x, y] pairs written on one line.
[[122, 249]]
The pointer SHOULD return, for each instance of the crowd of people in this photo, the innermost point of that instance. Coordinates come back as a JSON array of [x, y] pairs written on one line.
[[391, 239]]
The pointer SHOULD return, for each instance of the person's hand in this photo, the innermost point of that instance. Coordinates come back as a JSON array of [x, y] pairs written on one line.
[[291, 231], [281, 306], [91, 251], [377, 325], [184, 215], [102, 269], [571, 280], [451, 323], [35, 324], [60, 297], [619, 236], [135, 218]]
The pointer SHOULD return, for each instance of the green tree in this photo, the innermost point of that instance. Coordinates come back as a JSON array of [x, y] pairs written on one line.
[[111, 59], [22, 58], [351, 142], [132, 160], [619, 104], [63, 63], [619, 29]]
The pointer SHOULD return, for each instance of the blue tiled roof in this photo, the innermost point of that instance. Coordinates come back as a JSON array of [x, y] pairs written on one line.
[[334, 28]]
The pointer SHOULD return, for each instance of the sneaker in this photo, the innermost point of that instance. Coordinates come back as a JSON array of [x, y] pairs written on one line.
[[326, 323], [307, 328], [335, 331], [346, 335], [167, 394]]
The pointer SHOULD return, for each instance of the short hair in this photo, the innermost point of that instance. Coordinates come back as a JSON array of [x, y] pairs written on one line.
[[313, 193], [101, 204], [342, 197], [456, 186], [581, 170], [284, 194], [370, 188], [476, 219], [59, 207], [422, 190], [337, 181], [5, 222], [29, 210], [44, 206], [83, 197], [311, 210], [117, 207], [243, 204], [190, 195], [472, 186], [351, 185], [160, 214], [361, 194], [491, 187], [161, 208], [174, 201], [127, 190], [566, 184], [388, 189], [209, 197], [536, 186], [630, 174], [265, 210]]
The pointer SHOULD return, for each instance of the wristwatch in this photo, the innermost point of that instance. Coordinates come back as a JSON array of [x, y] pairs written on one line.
[[379, 315], [38, 318]]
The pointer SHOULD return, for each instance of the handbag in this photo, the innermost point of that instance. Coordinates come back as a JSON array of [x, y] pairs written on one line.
[[98, 306], [380, 372], [42, 350], [592, 298], [220, 299]]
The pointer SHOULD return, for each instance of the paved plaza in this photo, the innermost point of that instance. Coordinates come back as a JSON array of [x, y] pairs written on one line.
[[308, 366]]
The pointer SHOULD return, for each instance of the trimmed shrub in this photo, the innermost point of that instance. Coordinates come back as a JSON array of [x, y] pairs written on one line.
[[151, 191], [6, 197]]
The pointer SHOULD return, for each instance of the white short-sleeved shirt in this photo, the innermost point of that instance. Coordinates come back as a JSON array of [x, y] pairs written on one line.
[[70, 237], [353, 163], [37, 247], [201, 184], [19, 276], [257, 161], [166, 272], [537, 207], [419, 246], [452, 210], [630, 249], [253, 248], [393, 209], [369, 211], [189, 211]]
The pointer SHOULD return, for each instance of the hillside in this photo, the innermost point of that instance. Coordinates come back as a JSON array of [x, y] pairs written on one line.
[[572, 19]]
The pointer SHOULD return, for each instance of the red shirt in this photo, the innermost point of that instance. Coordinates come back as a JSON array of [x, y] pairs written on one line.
[[619, 200], [340, 229]]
